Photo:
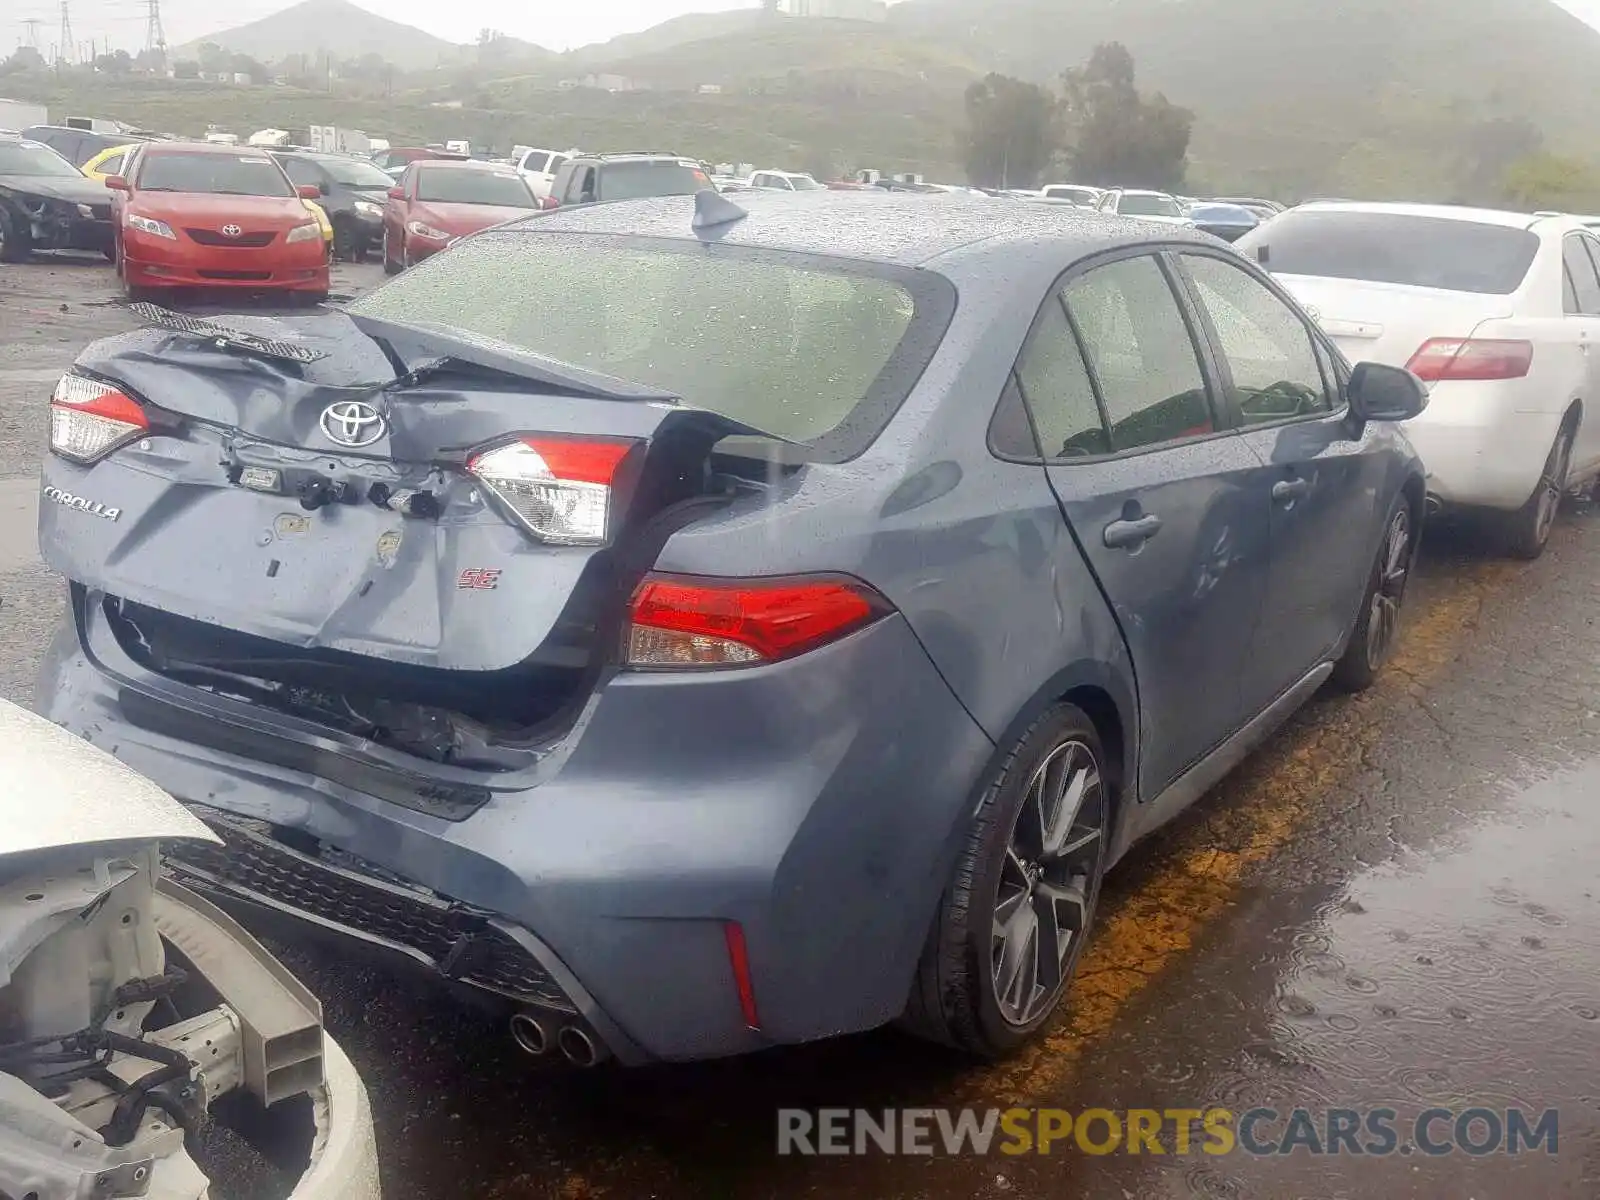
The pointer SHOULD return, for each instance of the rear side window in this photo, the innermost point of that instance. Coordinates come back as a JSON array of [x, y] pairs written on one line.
[[1583, 287], [1056, 385], [536, 162], [1268, 349], [815, 351], [112, 165], [1432, 252], [1142, 357]]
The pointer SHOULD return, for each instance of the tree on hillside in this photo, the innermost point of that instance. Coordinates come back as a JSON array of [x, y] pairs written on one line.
[[1011, 132], [214, 59], [243, 64], [24, 58], [186, 69], [1117, 138], [1549, 182], [117, 62]]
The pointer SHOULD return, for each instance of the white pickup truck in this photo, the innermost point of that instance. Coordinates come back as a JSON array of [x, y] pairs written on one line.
[[539, 167]]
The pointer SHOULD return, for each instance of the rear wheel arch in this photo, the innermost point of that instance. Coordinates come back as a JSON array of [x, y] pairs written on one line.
[[1109, 703]]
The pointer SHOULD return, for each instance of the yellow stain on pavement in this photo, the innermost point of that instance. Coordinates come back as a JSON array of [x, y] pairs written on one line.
[[1266, 802]]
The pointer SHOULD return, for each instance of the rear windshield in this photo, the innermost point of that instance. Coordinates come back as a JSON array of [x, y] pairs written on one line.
[[635, 180], [448, 185], [219, 174], [1431, 252], [817, 351], [1131, 204]]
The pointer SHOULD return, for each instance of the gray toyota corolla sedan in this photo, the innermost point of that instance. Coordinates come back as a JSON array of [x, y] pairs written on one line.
[[708, 626]]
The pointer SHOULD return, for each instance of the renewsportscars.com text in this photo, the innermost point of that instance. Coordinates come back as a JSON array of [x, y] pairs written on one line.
[[1376, 1132]]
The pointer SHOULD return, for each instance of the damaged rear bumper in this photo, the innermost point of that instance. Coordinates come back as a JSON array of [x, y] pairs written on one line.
[[815, 804]]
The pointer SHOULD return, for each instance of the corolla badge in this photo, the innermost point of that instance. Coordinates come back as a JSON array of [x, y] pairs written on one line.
[[231, 231], [352, 423], [82, 503]]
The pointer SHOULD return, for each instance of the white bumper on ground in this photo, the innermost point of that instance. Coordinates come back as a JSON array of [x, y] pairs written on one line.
[[344, 1164]]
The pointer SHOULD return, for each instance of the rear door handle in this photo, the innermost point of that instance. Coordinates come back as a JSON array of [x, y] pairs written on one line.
[[1130, 535], [1286, 491]]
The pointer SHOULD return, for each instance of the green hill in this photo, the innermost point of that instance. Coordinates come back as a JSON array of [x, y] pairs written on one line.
[[336, 28], [1375, 94]]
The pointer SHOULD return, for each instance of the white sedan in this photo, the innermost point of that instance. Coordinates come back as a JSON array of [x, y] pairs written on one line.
[[1161, 207], [129, 1005], [1498, 312]]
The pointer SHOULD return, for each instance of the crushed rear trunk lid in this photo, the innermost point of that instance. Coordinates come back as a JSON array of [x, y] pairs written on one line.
[[312, 535]]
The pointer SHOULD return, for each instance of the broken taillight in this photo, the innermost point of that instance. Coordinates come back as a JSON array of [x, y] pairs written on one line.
[[90, 419], [557, 488], [680, 621]]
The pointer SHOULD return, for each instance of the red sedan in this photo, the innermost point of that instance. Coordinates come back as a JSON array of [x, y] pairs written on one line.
[[437, 202], [198, 215]]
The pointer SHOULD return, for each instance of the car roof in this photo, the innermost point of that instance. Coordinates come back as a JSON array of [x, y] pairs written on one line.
[[204, 148], [634, 156], [1446, 212], [906, 228], [463, 164]]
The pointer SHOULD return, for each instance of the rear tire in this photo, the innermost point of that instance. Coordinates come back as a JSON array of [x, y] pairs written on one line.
[[1014, 919], [1527, 531], [1377, 628]]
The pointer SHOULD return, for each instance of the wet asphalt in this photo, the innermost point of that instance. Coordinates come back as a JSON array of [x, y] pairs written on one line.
[[1392, 908]]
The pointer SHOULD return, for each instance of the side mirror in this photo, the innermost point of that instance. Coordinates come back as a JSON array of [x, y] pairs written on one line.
[[309, 191], [117, 183], [397, 193], [1378, 392]]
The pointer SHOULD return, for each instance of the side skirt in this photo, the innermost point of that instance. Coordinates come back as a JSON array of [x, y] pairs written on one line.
[[1208, 772]]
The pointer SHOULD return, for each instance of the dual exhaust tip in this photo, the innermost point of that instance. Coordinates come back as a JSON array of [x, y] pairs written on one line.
[[575, 1043]]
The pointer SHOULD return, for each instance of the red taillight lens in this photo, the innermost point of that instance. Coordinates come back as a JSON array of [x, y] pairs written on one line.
[[557, 488], [687, 622], [1471, 358], [549, 202], [90, 419]]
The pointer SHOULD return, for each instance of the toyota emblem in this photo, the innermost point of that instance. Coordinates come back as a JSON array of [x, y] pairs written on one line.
[[352, 423], [231, 231]]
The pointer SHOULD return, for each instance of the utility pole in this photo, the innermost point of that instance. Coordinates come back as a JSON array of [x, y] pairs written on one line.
[[66, 43], [155, 38]]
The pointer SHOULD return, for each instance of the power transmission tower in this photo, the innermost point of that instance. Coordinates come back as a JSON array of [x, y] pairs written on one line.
[[155, 38], [66, 33], [31, 36]]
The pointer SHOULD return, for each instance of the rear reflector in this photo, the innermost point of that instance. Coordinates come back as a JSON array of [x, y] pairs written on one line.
[[558, 489], [739, 960], [90, 419], [689, 622], [1441, 359]]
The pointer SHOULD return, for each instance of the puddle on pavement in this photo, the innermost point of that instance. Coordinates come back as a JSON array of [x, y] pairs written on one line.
[[1463, 976]]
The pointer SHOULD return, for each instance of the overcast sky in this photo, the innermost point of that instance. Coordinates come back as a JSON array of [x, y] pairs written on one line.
[[558, 24]]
